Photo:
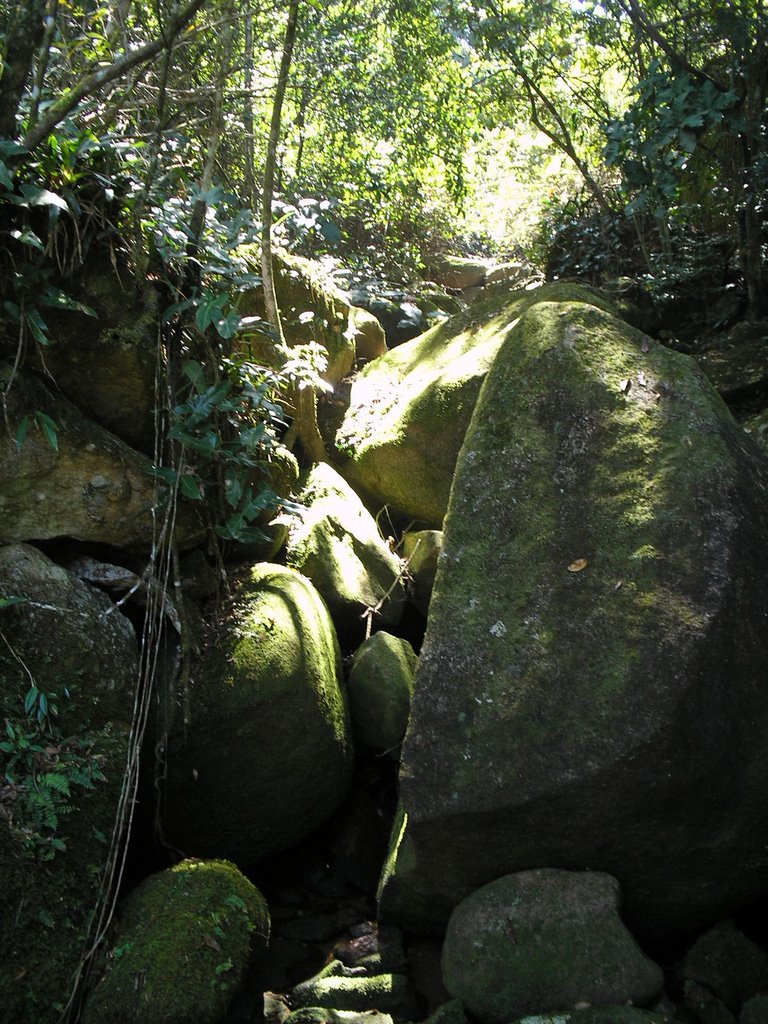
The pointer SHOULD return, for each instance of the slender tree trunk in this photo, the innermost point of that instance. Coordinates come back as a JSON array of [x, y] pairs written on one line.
[[248, 120], [24, 37], [304, 405], [43, 60]]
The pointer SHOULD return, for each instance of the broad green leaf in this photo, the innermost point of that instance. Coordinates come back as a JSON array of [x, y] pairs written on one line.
[[191, 487], [37, 326]]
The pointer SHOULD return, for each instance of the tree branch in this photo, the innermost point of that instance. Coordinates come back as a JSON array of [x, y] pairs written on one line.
[[92, 84]]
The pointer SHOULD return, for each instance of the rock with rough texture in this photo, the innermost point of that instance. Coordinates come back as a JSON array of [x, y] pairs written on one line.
[[184, 941], [706, 1007], [451, 1012], [266, 755], [755, 1011], [600, 1015], [739, 367], [75, 644], [370, 340], [591, 677], [312, 309], [544, 940], [728, 964], [107, 364], [324, 1015], [421, 551], [409, 410], [336, 543], [340, 988], [380, 685], [509, 273], [459, 271], [90, 487]]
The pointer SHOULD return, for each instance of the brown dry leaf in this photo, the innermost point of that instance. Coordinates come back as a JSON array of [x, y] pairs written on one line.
[[578, 565]]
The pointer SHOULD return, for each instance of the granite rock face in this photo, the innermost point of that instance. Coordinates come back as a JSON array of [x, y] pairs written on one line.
[[591, 688]]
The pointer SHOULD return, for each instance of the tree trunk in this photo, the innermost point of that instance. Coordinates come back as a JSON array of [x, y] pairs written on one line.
[[24, 37], [304, 404], [248, 120]]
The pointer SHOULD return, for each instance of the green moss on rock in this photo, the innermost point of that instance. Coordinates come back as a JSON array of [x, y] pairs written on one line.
[[335, 542], [183, 943], [380, 686], [409, 410], [544, 940], [596, 635], [265, 755]]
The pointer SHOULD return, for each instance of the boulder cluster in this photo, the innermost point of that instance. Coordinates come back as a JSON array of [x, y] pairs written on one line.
[[517, 621]]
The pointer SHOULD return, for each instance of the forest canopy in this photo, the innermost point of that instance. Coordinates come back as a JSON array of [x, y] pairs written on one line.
[[631, 134]]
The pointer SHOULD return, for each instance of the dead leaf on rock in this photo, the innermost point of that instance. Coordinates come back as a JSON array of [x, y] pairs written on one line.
[[578, 565]]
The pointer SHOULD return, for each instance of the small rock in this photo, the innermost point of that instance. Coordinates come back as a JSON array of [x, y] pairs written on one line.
[[544, 940], [706, 1005], [725, 961]]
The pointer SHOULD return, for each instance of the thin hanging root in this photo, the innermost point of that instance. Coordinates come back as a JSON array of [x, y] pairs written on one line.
[[402, 574]]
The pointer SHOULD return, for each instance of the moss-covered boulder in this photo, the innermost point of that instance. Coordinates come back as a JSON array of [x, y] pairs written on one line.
[[591, 678], [459, 271], [107, 363], [341, 988], [78, 481], [380, 685], [336, 543], [60, 781], [261, 754], [312, 309], [181, 948], [409, 410], [544, 940]]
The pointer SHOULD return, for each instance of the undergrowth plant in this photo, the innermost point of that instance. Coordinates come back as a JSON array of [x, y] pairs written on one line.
[[227, 416], [41, 767]]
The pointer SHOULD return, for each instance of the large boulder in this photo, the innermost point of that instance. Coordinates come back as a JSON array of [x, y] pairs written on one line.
[[182, 946], [262, 754], [544, 940], [107, 363], [61, 775], [590, 691], [80, 481], [312, 309], [409, 410], [459, 272], [335, 542]]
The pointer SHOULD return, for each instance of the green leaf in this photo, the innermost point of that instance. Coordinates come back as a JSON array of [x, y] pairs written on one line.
[[9, 602], [166, 474], [45, 918], [58, 299], [42, 197], [37, 326], [191, 487], [22, 431], [5, 176], [50, 429], [31, 699], [28, 238], [194, 373]]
